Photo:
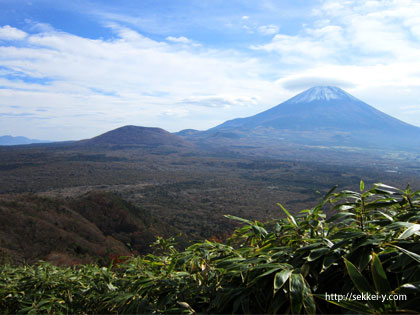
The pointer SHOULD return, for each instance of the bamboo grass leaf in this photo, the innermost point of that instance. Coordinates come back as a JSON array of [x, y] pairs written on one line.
[[232, 217], [280, 279], [308, 299], [385, 186], [410, 231], [353, 306], [361, 283], [412, 255], [379, 276], [290, 218], [296, 291]]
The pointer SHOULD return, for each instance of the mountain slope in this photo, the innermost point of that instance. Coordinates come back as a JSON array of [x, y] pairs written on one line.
[[320, 108], [329, 116]]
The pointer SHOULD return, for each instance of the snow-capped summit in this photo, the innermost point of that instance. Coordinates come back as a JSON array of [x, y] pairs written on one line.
[[321, 93]]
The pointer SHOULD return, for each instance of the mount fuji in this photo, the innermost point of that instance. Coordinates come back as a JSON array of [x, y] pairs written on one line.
[[320, 116]]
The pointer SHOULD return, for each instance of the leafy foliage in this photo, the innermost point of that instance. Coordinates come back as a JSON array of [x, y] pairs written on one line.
[[368, 245]]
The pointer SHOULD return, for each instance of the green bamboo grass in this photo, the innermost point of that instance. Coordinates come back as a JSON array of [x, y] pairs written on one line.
[[369, 244]]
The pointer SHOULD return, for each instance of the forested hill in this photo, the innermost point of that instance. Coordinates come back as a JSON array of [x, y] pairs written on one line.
[[89, 228]]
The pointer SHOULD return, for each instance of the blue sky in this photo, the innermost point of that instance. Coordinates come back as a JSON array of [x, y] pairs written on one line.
[[75, 69]]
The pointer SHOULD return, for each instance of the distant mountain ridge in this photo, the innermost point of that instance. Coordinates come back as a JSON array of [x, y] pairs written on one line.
[[322, 116], [10, 140]]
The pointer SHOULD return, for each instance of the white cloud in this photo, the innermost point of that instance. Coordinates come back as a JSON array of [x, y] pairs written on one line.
[[312, 45], [10, 33], [268, 29], [130, 79], [296, 48], [219, 101], [354, 32], [180, 39], [302, 82]]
